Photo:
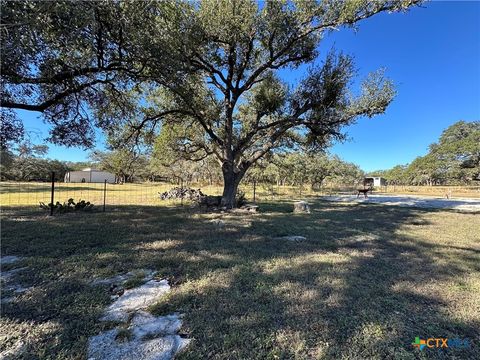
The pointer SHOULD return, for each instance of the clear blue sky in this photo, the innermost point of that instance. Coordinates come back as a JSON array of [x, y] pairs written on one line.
[[432, 54]]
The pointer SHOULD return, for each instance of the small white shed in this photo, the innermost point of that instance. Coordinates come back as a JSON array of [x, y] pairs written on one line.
[[375, 181], [89, 175]]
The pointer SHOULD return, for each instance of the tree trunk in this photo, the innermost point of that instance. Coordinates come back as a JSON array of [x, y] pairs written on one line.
[[231, 179]]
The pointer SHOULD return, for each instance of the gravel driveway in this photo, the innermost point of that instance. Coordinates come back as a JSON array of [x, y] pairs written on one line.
[[415, 201]]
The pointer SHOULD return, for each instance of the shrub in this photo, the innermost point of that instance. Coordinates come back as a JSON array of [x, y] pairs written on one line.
[[68, 206]]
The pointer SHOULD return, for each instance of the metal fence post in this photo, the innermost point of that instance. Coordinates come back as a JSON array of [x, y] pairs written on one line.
[[53, 192], [104, 194]]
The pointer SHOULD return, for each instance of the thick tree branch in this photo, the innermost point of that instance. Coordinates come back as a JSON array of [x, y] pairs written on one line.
[[41, 107]]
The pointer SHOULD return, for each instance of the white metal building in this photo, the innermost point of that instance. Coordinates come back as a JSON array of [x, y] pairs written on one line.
[[375, 181], [89, 175]]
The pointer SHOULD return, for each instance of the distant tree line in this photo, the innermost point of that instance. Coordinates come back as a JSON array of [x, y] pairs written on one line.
[[28, 163], [304, 169], [453, 160]]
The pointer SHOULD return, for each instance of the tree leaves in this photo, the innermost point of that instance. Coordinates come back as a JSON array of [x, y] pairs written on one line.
[[454, 159]]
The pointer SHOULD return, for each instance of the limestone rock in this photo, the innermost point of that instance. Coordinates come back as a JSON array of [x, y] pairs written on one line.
[[105, 347], [301, 207], [144, 324], [136, 299], [148, 337], [218, 223], [293, 238]]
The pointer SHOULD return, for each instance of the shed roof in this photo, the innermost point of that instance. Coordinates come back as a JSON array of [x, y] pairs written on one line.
[[91, 170]]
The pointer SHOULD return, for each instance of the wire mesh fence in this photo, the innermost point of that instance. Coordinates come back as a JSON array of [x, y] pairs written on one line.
[[29, 195]]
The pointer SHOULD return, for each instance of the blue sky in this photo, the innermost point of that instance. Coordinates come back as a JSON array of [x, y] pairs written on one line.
[[432, 53]]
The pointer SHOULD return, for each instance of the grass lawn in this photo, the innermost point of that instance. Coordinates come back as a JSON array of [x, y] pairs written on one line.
[[367, 281]]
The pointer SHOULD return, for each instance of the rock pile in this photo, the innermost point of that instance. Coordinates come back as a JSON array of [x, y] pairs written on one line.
[[195, 195], [182, 193], [212, 202]]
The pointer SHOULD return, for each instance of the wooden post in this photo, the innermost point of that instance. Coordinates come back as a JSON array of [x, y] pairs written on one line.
[[104, 194], [53, 192], [254, 190]]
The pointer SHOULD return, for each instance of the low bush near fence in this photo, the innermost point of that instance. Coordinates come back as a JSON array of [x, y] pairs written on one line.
[[68, 206]]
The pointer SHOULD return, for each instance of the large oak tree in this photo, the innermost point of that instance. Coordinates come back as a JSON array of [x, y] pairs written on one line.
[[209, 68], [235, 107]]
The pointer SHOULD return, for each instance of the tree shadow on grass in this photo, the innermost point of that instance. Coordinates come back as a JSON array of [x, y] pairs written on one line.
[[359, 287]]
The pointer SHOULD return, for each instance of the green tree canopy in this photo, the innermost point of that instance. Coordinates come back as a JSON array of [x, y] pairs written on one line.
[[236, 98], [458, 151], [124, 163], [454, 159]]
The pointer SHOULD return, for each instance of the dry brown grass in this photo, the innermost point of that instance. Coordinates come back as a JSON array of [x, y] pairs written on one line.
[[437, 191]]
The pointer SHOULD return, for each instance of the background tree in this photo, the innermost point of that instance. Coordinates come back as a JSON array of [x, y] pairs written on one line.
[[318, 167], [344, 173], [300, 168], [454, 159], [425, 170], [27, 162], [124, 163], [458, 151]]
